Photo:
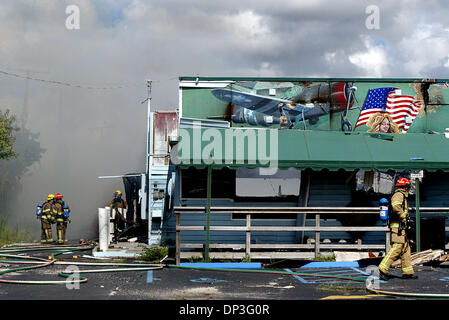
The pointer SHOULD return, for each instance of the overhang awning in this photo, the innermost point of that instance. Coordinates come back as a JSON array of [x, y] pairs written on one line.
[[317, 150]]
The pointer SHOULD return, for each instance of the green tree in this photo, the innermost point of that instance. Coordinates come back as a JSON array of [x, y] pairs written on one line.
[[27, 151], [7, 128], [19, 150]]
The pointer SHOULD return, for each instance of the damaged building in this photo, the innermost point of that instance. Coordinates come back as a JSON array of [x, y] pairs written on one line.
[[292, 167]]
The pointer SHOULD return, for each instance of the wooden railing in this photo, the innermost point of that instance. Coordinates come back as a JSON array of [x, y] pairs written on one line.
[[281, 251]]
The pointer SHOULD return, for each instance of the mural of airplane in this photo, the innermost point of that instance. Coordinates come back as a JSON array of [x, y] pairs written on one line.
[[310, 104]]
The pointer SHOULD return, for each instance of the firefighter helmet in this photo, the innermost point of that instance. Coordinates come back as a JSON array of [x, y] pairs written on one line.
[[58, 196], [403, 182], [51, 196]]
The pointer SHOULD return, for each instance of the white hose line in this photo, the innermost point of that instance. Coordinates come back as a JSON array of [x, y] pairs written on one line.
[[407, 294], [87, 263], [42, 282], [118, 269], [108, 264]]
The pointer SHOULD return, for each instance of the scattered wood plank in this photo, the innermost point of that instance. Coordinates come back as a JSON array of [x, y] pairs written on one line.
[[421, 257]]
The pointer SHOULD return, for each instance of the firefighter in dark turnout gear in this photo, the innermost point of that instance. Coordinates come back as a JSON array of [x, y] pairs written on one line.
[[117, 202], [62, 217], [119, 219], [398, 224], [47, 218]]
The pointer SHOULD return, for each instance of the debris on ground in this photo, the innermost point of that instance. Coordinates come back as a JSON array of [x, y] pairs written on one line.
[[83, 241], [422, 257], [350, 256], [444, 257]]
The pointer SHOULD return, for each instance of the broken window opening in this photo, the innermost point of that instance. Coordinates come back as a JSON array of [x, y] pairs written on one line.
[[194, 183]]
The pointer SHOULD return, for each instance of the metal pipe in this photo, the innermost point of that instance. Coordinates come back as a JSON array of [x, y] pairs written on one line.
[[121, 176], [109, 213], [418, 216], [322, 210], [208, 206], [145, 207]]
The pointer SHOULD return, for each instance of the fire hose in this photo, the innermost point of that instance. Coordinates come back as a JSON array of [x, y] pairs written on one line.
[[42, 262], [369, 284]]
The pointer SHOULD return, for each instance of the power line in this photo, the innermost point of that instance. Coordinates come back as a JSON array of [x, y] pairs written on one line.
[[67, 83], [80, 86], [24, 116]]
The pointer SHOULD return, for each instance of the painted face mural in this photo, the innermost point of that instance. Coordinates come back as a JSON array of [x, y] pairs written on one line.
[[384, 126], [382, 122]]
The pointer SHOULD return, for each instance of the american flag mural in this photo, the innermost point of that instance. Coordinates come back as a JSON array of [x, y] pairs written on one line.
[[402, 108]]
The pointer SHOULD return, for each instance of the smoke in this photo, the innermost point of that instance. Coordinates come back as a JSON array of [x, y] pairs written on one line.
[[85, 136], [88, 133]]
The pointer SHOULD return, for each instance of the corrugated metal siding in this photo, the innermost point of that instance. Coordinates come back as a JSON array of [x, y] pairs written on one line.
[[434, 190], [165, 127], [168, 236], [158, 181], [328, 189], [434, 193], [226, 220]]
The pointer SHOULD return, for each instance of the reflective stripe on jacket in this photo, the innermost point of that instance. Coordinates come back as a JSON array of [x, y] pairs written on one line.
[[48, 211], [399, 205]]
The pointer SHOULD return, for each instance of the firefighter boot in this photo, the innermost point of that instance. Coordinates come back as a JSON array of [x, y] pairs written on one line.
[[49, 235], [64, 230], [60, 239], [409, 276], [383, 276]]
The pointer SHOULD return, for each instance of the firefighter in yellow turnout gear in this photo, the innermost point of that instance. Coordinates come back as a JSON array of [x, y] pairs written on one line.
[[401, 246], [47, 218], [61, 218]]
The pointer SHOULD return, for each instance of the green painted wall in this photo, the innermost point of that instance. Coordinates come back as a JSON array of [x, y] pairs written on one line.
[[201, 103]]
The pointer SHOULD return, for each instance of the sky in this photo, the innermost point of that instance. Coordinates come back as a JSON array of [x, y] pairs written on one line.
[[89, 111]]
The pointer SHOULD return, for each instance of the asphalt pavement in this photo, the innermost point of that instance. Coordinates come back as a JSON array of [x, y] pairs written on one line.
[[278, 286]]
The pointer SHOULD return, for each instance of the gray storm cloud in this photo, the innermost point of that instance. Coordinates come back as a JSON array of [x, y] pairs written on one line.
[[92, 132]]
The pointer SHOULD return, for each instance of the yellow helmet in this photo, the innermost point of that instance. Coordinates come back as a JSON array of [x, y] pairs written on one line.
[[118, 192], [51, 196]]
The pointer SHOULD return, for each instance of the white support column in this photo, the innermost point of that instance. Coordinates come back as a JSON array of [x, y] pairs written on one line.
[[110, 224], [143, 196], [149, 159], [103, 228]]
